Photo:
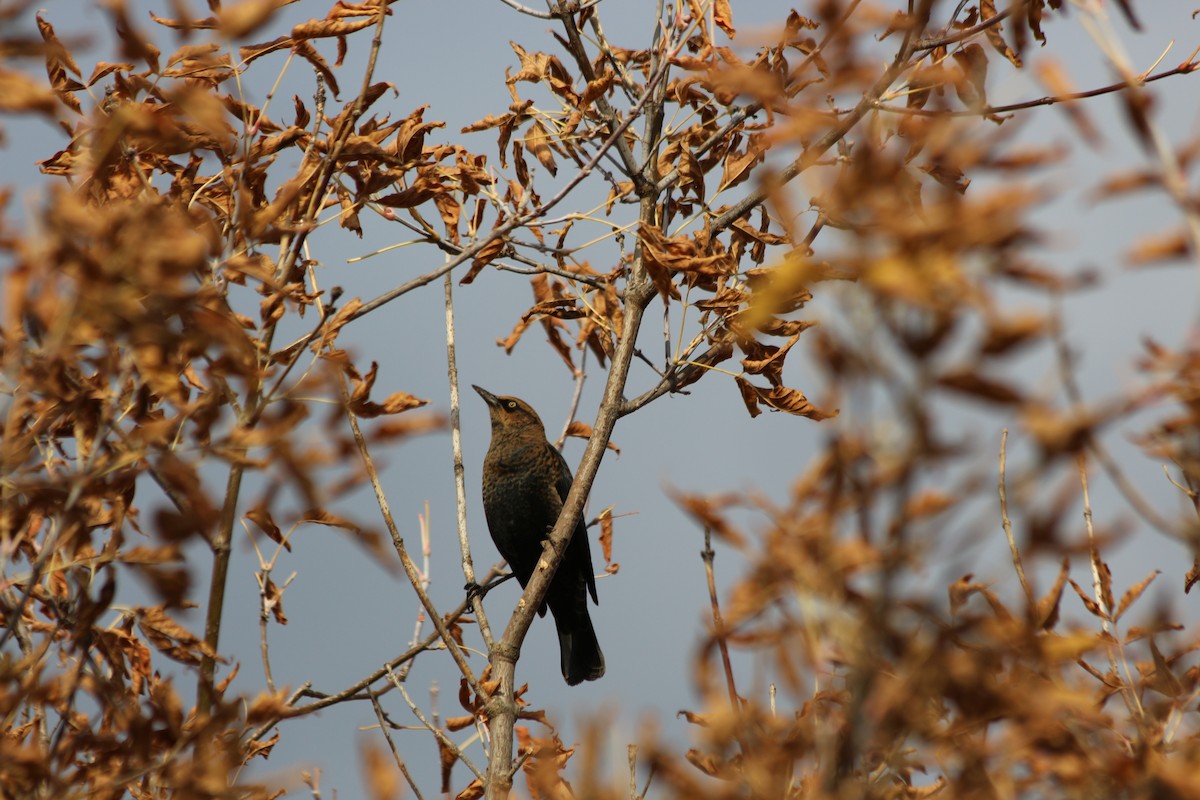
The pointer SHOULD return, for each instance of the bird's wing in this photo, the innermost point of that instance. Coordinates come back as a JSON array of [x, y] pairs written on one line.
[[579, 540]]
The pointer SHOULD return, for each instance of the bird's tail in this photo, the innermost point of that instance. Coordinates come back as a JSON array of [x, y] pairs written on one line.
[[578, 647]]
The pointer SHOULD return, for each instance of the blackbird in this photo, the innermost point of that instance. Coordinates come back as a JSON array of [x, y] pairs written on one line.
[[525, 480]]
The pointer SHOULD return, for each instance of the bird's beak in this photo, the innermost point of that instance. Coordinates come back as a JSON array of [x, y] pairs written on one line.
[[487, 396]]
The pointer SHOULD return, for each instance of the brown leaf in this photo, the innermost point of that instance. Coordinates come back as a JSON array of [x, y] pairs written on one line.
[[447, 757], [60, 62], [169, 637], [408, 425], [1171, 246], [723, 17], [1054, 78], [707, 512], [1163, 680], [395, 403], [267, 707], [244, 18], [1008, 333], [738, 165], [1133, 593], [371, 540], [584, 431], [969, 382], [486, 254], [782, 398], [606, 532], [272, 598], [474, 791], [537, 140], [21, 94], [987, 11], [971, 86], [1046, 616], [261, 517], [559, 308], [749, 396], [1091, 605]]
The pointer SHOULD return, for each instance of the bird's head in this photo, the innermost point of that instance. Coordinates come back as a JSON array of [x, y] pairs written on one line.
[[510, 413]]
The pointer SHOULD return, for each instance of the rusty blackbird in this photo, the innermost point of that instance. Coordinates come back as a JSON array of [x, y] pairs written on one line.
[[525, 480]]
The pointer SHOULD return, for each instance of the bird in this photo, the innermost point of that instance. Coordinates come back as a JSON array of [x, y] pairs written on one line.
[[525, 481]]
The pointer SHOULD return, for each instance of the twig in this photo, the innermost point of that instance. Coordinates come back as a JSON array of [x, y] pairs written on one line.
[[573, 409], [1183, 69], [1006, 523], [1132, 701], [557, 9], [460, 489], [707, 555], [437, 732], [392, 746], [965, 33], [410, 569], [356, 690]]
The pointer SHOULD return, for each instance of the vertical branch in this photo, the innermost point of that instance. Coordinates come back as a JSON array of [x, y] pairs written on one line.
[[502, 708], [580, 377], [216, 587], [708, 554], [383, 726], [410, 568], [635, 297], [1132, 701], [1006, 524], [460, 489]]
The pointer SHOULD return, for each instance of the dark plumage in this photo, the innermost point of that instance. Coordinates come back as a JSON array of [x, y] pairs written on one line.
[[525, 481]]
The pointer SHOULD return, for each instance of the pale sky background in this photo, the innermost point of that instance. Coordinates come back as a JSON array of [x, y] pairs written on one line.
[[349, 615]]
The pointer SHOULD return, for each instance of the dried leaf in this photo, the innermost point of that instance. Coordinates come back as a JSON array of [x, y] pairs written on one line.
[[584, 431], [1091, 605], [261, 516], [1133, 593], [987, 11], [1046, 612]]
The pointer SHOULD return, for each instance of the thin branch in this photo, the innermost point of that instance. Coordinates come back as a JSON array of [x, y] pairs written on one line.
[[708, 555], [410, 569], [965, 33], [1132, 701], [460, 488], [1006, 523], [557, 10], [441, 736], [576, 395], [392, 746], [1186, 68], [358, 690]]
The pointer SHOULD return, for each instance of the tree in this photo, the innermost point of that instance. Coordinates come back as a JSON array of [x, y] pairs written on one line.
[[169, 344]]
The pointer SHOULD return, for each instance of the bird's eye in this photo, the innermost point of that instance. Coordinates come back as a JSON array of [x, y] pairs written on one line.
[[511, 405]]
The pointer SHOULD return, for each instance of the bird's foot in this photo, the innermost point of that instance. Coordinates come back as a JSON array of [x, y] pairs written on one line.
[[475, 590]]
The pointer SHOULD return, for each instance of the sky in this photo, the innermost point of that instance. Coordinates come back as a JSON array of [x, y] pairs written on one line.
[[350, 614]]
